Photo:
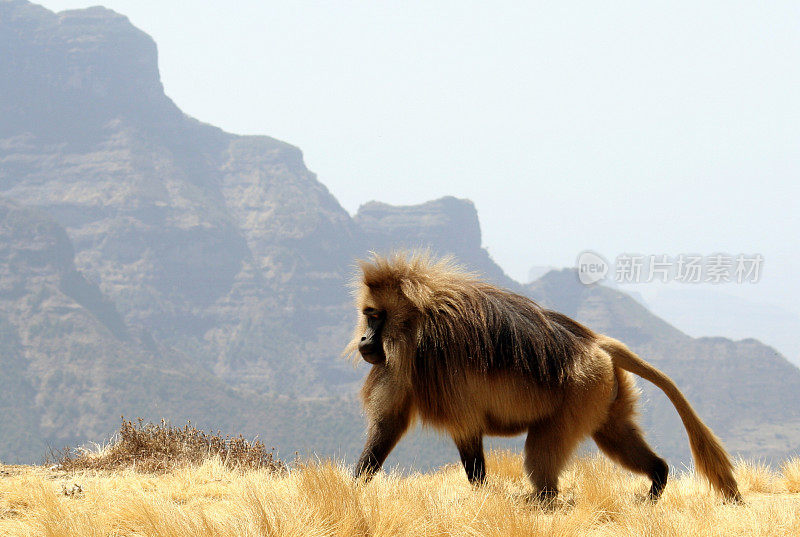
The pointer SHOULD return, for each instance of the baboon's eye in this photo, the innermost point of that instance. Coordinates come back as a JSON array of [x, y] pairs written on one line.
[[372, 313]]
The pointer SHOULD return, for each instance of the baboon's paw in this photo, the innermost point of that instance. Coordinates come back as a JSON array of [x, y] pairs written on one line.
[[549, 501]]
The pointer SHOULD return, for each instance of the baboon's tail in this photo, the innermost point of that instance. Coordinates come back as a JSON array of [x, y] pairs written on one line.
[[710, 457]]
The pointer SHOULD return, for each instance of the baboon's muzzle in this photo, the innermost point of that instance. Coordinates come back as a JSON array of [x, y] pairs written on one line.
[[371, 348]]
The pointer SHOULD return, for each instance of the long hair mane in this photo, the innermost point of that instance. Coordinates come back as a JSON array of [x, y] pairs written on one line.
[[464, 324]]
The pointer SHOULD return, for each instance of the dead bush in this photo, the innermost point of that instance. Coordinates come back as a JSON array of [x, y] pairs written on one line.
[[154, 447]]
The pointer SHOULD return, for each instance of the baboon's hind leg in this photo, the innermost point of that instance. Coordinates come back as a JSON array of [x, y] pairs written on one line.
[[622, 440], [471, 452], [548, 447]]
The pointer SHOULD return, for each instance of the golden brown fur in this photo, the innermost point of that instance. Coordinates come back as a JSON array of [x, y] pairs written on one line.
[[472, 359]]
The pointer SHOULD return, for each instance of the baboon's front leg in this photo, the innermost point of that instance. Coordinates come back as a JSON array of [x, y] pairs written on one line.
[[471, 452], [384, 433]]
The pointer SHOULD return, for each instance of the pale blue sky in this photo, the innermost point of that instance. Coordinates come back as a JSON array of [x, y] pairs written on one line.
[[650, 127]]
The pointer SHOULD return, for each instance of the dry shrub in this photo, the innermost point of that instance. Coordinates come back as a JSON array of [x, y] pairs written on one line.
[[791, 474], [149, 447], [755, 476]]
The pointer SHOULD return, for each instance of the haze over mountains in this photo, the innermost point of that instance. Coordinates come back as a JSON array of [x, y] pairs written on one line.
[[152, 265], [703, 311]]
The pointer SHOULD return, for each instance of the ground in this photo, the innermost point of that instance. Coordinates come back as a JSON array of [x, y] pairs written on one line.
[[320, 498]]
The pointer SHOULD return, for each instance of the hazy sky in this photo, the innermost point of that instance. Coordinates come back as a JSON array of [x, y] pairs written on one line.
[[669, 127]]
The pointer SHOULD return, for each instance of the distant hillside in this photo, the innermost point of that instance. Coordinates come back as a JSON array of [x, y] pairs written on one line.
[[154, 265], [737, 386], [700, 310], [71, 366]]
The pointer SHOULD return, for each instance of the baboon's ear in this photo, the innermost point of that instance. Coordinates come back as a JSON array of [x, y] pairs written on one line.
[[417, 293]]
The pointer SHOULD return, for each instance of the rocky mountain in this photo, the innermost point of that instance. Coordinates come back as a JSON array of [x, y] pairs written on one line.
[[215, 243], [70, 364], [446, 225], [154, 265]]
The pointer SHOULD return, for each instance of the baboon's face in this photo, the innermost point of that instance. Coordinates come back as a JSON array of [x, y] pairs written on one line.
[[371, 344], [386, 327]]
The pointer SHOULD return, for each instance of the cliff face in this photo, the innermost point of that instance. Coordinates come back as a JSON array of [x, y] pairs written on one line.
[[154, 265], [446, 226], [70, 364], [75, 71], [217, 244]]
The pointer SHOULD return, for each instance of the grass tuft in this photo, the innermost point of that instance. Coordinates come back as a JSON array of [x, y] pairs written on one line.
[[755, 477], [790, 472], [153, 447]]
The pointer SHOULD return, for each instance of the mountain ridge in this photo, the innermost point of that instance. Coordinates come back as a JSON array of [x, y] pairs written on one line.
[[222, 260]]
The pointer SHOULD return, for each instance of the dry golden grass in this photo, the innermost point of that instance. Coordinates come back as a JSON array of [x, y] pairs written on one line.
[[791, 474], [320, 498], [152, 447]]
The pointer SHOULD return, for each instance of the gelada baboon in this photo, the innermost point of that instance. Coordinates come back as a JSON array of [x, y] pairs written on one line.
[[471, 359]]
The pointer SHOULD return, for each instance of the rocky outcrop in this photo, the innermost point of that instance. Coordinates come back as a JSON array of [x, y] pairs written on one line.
[[446, 226], [70, 364]]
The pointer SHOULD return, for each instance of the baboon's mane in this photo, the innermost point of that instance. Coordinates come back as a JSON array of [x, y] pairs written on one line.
[[468, 324]]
